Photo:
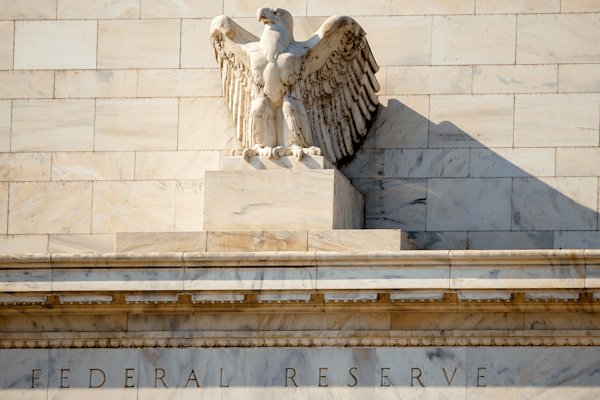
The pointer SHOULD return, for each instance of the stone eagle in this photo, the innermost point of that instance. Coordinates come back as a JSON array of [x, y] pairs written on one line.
[[293, 98]]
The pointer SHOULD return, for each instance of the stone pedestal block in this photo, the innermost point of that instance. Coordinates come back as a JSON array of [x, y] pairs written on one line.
[[281, 199]]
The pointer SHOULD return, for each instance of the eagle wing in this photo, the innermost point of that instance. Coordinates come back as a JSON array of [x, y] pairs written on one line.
[[230, 41], [338, 87]]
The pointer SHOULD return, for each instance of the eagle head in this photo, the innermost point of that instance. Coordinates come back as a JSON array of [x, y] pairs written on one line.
[[278, 33]]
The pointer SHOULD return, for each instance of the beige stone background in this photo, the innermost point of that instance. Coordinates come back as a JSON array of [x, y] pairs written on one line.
[[488, 134]]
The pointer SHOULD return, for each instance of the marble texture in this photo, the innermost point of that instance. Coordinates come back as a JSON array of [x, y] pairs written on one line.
[[429, 80], [55, 44], [16, 382], [580, 6], [469, 204], [103, 243], [507, 162], [30, 280], [151, 165], [23, 244], [205, 124], [139, 124], [456, 320], [160, 242], [556, 120], [247, 8], [49, 207], [26, 84], [471, 121], [518, 6], [383, 278], [426, 163], [249, 278], [92, 166], [473, 39], [98, 9], [99, 279], [292, 200], [96, 83], [554, 203], [196, 49], [180, 9], [25, 167], [515, 79], [28, 9], [5, 124], [179, 83], [282, 163], [7, 31], [226, 241], [440, 240], [423, 7], [189, 202], [573, 161], [127, 206], [52, 125], [352, 7], [358, 240], [138, 44], [576, 239], [511, 240], [547, 39], [3, 208], [367, 163], [579, 78]]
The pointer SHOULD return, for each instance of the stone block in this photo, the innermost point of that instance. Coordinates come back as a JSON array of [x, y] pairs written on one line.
[[401, 122], [275, 199], [579, 78], [95, 279], [514, 78], [580, 6], [96, 83], [138, 44], [49, 207], [517, 6], [103, 243], [562, 320], [549, 39], [196, 49], [424, 7], [92, 166], [179, 83], [189, 202], [576, 240], [133, 206], [225, 241], [429, 80], [17, 381], [469, 39], [384, 34], [554, 204], [367, 163], [511, 240], [160, 322], [352, 7], [440, 240], [394, 203], [7, 31], [23, 244], [25, 167], [52, 125], [98, 9], [28, 9], [80, 322], [426, 163], [160, 242], [5, 123], [26, 84], [359, 240], [174, 164], [55, 44], [384, 278], [556, 120], [250, 278], [3, 207], [456, 320], [205, 124], [573, 161], [282, 163], [25, 280], [471, 121], [507, 162], [468, 204], [181, 9], [140, 124], [247, 8]]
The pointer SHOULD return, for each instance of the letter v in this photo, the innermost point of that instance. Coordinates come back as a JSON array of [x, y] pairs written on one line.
[[446, 375]]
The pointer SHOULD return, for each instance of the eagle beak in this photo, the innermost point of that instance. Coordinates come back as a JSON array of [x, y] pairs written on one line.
[[262, 15]]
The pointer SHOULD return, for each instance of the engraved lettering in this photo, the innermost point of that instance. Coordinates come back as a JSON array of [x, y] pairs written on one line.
[[91, 377], [354, 376], [128, 377], [157, 378], [479, 369], [321, 377], [33, 377], [63, 377], [221, 382], [384, 376], [287, 376], [417, 377], [446, 375], [192, 379]]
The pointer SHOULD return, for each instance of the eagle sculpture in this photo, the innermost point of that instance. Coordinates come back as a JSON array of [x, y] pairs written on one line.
[[315, 97]]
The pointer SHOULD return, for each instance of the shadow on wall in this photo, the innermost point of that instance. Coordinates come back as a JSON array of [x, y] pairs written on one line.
[[447, 190]]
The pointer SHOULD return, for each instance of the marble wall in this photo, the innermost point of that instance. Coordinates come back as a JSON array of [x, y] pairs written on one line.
[[488, 136]]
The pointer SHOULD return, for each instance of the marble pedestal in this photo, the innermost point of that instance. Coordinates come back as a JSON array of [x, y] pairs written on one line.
[[280, 194]]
